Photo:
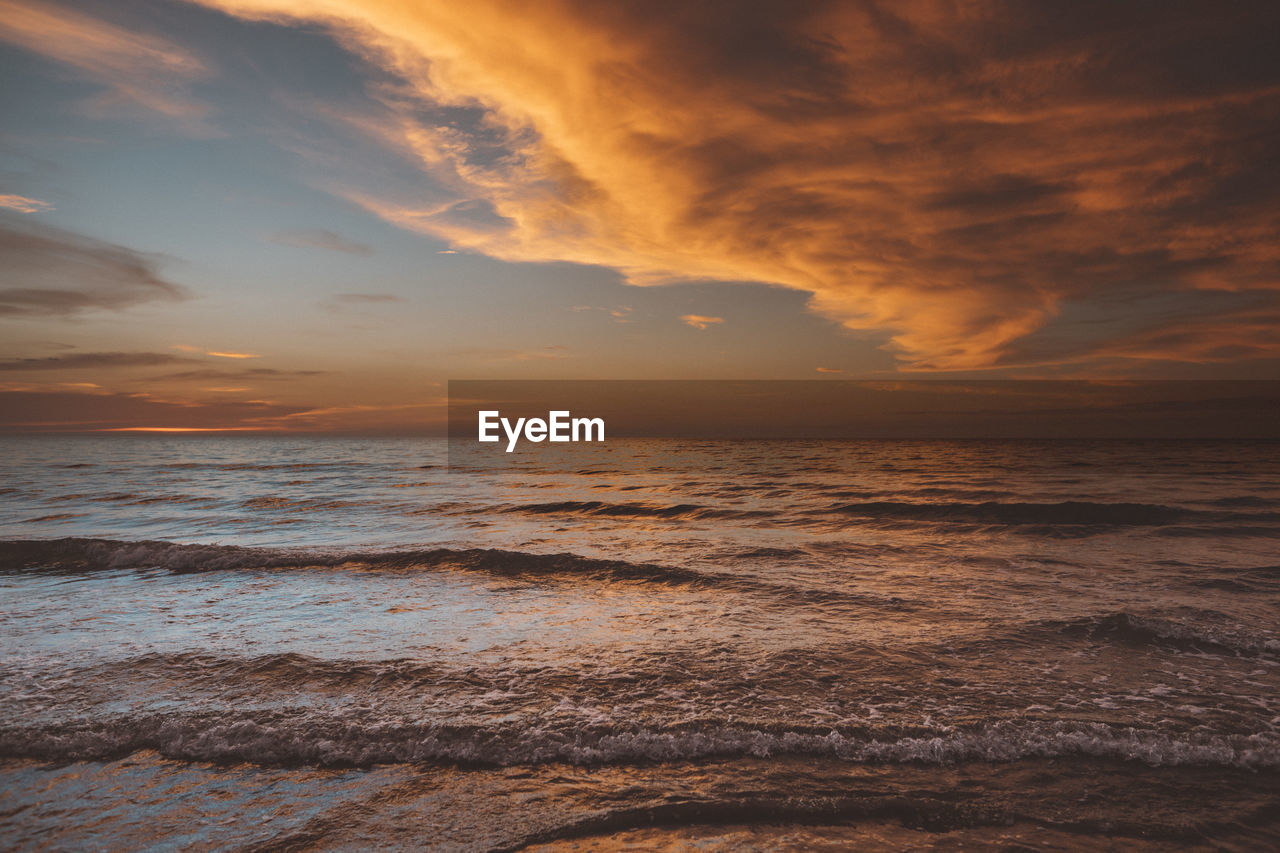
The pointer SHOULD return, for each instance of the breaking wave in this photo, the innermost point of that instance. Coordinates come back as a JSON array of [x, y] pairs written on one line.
[[79, 555], [101, 554], [299, 738], [1134, 630]]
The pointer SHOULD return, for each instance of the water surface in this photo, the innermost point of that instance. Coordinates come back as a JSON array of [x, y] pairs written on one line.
[[331, 643]]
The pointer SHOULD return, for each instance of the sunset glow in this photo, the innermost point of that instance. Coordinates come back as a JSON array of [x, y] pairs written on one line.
[[585, 425], [366, 199]]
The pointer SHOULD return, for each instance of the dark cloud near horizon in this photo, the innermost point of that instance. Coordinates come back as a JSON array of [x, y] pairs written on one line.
[[52, 272], [96, 361], [39, 411], [251, 373]]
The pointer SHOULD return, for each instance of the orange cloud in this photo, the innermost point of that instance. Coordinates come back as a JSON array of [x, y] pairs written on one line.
[[828, 370], [700, 322], [963, 178], [218, 354], [621, 314], [22, 204]]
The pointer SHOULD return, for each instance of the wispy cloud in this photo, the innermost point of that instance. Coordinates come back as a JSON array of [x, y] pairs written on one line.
[[91, 410], [828, 370], [620, 314], [698, 321], [554, 352], [431, 412], [137, 69], [368, 298], [954, 177], [49, 271], [95, 361], [550, 353], [215, 353], [22, 204], [251, 374], [319, 238], [1214, 339]]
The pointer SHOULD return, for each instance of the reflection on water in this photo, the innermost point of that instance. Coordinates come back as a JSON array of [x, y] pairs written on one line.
[[887, 644]]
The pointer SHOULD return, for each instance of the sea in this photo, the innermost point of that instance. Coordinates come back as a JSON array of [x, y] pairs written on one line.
[[277, 643]]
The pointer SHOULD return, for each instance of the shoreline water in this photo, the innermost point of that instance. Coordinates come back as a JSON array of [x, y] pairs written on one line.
[[884, 645]]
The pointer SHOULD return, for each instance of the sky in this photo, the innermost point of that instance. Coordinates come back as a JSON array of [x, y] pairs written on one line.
[[310, 215]]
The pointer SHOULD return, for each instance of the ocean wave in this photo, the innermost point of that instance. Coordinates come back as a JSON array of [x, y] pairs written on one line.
[[79, 555], [273, 502], [1262, 572], [107, 554], [252, 466], [1162, 632], [1226, 585], [994, 512], [635, 509], [1252, 501], [1222, 531], [764, 553], [352, 740], [130, 498]]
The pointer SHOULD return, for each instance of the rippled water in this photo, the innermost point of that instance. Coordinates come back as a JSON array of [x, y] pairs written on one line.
[[725, 644]]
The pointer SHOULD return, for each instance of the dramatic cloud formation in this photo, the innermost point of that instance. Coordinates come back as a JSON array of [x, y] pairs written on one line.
[[319, 238], [970, 177], [22, 204], [137, 69], [49, 271]]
